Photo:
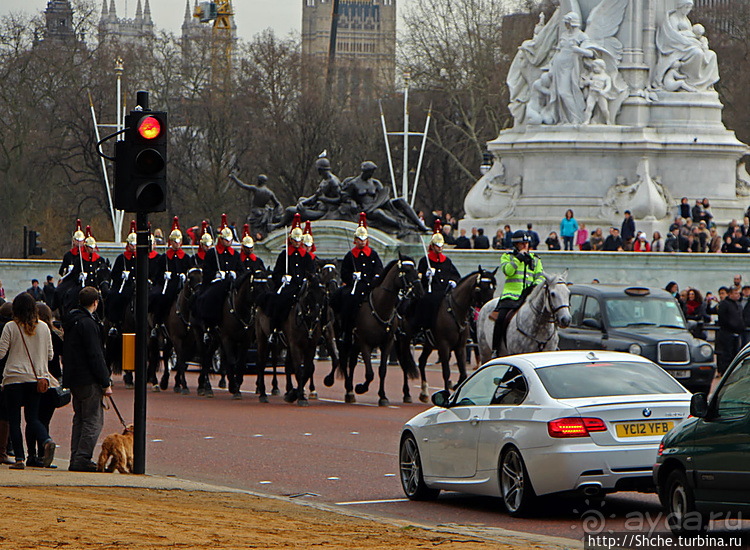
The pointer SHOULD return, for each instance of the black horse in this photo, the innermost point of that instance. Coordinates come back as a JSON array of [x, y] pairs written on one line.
[[180, 329], [237, 326], [375, 325], [449, 329]]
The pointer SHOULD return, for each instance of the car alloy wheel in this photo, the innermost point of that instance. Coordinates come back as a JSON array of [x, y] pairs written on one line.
[[515, 485], [412, 479], [683, 518]]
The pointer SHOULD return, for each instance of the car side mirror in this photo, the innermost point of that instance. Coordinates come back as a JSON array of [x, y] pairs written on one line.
[[592, 323], [699, 405], [440, 399]]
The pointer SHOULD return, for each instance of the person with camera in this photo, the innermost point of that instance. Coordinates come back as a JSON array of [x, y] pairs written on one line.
[[523, 271]]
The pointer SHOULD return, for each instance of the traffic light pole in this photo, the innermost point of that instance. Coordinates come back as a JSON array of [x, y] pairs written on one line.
[[141, 340]]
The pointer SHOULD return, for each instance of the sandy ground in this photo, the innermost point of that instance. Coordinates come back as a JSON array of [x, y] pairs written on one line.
[[132, 517]]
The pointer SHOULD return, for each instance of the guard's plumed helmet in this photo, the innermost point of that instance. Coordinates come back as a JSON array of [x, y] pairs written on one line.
[[247, 240], [361, 231], [296, 233], [307, 237], [437, 235], [176, 234], [224, 232], [132, 236], [90, 241], [206, 239], [520, 236], [78, 235]]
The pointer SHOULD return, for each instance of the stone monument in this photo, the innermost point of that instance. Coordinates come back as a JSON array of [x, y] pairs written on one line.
[[617, 113]]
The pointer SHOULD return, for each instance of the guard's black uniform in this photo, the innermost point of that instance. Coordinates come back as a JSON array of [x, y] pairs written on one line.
[[123, 287], [199, 257], [353, 291], [78, 268], [278, 302], [424, 310], [168, 275], [251, 263], [220, 267]]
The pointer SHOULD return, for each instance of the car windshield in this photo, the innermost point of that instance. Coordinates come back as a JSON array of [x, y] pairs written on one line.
[[636, 311], [577, 380]]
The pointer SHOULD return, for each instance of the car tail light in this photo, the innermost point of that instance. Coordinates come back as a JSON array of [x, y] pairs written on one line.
[[575, 427], [661, 448]]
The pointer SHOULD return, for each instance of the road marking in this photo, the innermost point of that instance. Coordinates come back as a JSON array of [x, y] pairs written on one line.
[[265, 482], [157, 440], [360, 404], [354, 433], [384, 501], [209, 437], [306, 434], [389, 475], [258, 435], [333, 478]]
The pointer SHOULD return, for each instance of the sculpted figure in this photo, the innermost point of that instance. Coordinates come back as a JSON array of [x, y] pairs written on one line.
[[537, 110], [364, 193], [566, 95], [678, 40], [599, 85], [265, 209], [323, 204], [674, 80]]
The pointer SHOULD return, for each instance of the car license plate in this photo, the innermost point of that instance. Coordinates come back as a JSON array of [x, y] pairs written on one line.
[[680, 373], [643, 429]]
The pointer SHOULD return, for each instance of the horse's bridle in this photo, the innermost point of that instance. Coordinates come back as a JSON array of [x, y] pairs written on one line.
[[185, 288], [550, 317], [315, 312]]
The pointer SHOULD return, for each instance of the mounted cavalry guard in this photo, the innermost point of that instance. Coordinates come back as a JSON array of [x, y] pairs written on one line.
[[523, 271], [91, 259], [250, 262], [307, 240], [293, 265], [360, 269], [169, 275], [123, 283], [71, 271], [221, 266], [204, 245], [438, 276]]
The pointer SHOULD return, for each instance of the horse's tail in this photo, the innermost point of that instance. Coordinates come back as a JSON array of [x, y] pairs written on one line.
[[406, 358]]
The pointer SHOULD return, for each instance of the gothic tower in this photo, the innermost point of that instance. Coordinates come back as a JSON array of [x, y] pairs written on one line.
[[59, 19], [365, 42], [135, 31]]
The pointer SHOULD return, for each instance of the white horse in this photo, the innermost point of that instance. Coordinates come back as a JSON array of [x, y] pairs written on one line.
[[534, 326]]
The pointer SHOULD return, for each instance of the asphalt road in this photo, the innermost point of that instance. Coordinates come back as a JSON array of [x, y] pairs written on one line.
[[334, 453]]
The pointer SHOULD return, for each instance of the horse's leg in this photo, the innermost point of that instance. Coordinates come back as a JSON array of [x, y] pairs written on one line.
[[366, 351], [403, 353], [291, 366], [261, 359], [349, 361], [331, 347], [460, 353], [385, 351], [423, 391], [166, 356], [305, 370]]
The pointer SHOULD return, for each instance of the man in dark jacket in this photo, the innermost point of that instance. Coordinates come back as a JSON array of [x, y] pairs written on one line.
[[628, 227], [85, 373], [731, 325]]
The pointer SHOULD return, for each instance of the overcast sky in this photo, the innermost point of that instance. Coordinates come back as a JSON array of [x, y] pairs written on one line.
[[252, 16]]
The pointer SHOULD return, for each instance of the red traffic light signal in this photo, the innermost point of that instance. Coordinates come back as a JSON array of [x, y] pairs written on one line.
[[149, 127], [141, 172]]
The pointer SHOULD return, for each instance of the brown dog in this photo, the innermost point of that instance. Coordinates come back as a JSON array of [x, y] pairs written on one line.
[[118, 447]]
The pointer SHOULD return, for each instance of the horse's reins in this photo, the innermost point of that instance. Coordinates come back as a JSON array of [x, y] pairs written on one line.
[[116, 411]]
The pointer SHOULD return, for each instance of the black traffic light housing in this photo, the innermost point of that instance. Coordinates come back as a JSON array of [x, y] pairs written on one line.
[[35, 244], [141, 163]]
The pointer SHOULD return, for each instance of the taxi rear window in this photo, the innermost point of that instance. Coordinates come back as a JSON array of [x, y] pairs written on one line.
[[575, 380]]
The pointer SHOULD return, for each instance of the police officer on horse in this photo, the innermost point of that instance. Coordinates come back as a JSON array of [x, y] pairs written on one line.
[[523, 271]]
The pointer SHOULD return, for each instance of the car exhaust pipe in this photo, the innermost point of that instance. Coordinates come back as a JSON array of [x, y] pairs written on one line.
[[591, 489]]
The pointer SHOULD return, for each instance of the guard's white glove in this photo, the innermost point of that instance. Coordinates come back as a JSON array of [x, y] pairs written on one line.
[[125, 275], [452, 284], [357, 275], [82, 278], [70, 268], [430, 272], [232, 275], [286, 279], [182, 277], [167, 275]]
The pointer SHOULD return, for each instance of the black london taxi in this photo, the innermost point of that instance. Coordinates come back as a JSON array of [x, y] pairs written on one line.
[[702, 469], [639, 320]]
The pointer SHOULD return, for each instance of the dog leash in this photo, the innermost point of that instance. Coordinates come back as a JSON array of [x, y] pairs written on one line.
[[116, 410]]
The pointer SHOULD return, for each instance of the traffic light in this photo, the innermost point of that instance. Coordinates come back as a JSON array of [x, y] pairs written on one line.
[[141, 163], [35, 245]]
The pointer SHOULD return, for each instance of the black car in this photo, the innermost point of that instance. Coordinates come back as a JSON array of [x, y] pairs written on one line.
[[702, 469], [639, 320]]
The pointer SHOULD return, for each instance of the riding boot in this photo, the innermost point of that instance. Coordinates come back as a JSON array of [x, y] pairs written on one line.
[[4, 430]]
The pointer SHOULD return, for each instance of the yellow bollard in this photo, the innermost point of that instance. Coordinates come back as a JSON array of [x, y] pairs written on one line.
[[128, 352]]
